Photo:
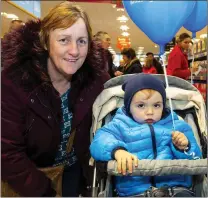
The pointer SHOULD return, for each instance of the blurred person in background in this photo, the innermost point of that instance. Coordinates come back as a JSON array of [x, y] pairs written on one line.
[[50, 67], [121, 65], [104, 40], [148, 67], [16, 24], [155, 63], [178, 59], [132, 63]]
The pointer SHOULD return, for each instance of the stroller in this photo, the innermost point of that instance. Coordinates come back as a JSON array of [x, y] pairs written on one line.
[[188, 103]]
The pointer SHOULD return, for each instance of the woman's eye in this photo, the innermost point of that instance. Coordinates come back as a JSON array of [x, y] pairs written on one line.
[[82, 42], [63, 41], [140, 105]]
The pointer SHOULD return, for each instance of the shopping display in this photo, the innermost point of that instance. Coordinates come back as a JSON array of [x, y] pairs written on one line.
[[198, 62]]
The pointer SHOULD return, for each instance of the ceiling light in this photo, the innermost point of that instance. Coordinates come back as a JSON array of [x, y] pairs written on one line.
[[140, 48], [114, 5], [195, 40], [125, 34], [122, 19], [203, 36], [156, 46], [9, 16], [124, 27], [120, 9]]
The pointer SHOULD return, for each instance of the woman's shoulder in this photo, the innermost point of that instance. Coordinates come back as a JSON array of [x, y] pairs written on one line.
[[10, 89], [176, 51]]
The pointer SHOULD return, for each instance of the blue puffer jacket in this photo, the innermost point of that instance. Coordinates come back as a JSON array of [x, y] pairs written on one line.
[[138, 139]]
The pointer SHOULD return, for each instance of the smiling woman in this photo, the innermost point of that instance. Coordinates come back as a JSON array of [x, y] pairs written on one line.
[[67, 52], [50, 66]]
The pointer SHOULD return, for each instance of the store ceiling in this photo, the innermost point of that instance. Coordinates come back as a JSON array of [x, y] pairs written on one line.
[[103, 17]]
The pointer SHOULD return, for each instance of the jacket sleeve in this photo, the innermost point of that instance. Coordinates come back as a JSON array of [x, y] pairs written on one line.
[[193, 148], [174, 63], [106, 140], [17, 169], [135, 68]]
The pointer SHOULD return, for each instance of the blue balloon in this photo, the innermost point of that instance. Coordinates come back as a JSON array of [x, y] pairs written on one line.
[[159, 20], [198, 18]]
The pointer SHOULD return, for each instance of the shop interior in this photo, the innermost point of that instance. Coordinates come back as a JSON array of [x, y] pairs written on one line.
[[113, 19]]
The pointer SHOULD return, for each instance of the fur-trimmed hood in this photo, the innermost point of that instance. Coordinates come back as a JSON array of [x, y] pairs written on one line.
[[26, 60]]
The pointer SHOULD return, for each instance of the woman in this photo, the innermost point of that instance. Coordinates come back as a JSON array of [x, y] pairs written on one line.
[[148, 67], [132, 63], [104, 40], [50, 67], [178, 60]]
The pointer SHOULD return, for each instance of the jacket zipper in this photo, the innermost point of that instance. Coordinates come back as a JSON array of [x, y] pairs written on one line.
[[154, 147]]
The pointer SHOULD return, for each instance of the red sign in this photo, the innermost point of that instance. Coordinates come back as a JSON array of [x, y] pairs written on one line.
[[123, 42]]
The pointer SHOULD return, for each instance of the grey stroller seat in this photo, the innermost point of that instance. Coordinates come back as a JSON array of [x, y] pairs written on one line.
[[187, 103]]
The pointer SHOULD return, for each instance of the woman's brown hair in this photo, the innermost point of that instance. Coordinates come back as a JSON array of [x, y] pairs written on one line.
[[63, 16]]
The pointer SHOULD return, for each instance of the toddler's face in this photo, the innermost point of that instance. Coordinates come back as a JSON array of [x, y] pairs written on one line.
[[145, 110]]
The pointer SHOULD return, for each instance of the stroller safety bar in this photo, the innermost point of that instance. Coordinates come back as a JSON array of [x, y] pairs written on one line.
[[164, 167]]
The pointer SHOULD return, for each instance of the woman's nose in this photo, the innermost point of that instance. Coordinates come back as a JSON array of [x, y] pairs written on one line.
[[73, 49]]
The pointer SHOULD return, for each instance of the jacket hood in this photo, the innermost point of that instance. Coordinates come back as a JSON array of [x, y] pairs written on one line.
[[22, 44], [25, 59], [22, 54]]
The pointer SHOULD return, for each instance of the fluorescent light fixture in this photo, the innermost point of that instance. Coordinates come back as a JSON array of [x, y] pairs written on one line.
[[120, 9], [203, 36], [9, 16], [195, 40], [124, 27], [122, 19], [140, 48], [156, 46], [125, 34]]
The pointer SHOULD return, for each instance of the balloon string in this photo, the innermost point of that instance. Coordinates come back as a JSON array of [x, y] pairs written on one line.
[[167, 86], [192, 51]]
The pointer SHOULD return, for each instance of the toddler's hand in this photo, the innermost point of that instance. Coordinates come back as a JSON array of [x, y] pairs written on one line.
[[125, 160], [179, 140]]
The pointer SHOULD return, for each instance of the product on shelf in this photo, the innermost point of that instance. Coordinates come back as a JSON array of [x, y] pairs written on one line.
[[204, 44], [199, 69], [195, 48], [202, 89], [199, 46]]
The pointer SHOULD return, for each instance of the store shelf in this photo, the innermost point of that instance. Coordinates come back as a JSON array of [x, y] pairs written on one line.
[[197, 56]]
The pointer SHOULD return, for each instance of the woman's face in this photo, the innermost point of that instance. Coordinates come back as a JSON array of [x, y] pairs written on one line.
[[126, 59], [68, 49], [106, 41], [185, 43]]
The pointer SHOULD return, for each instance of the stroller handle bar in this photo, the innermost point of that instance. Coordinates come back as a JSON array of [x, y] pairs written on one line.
[[163, 167]]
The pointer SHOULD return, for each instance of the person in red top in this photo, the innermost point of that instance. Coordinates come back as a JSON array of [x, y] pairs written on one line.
[[148, 67], [178, 60]]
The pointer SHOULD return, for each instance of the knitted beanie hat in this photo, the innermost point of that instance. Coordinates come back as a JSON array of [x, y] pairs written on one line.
[[139, 82]]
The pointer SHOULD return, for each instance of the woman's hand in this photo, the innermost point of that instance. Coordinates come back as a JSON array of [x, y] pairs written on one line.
[[125, 160], [179, 140]]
